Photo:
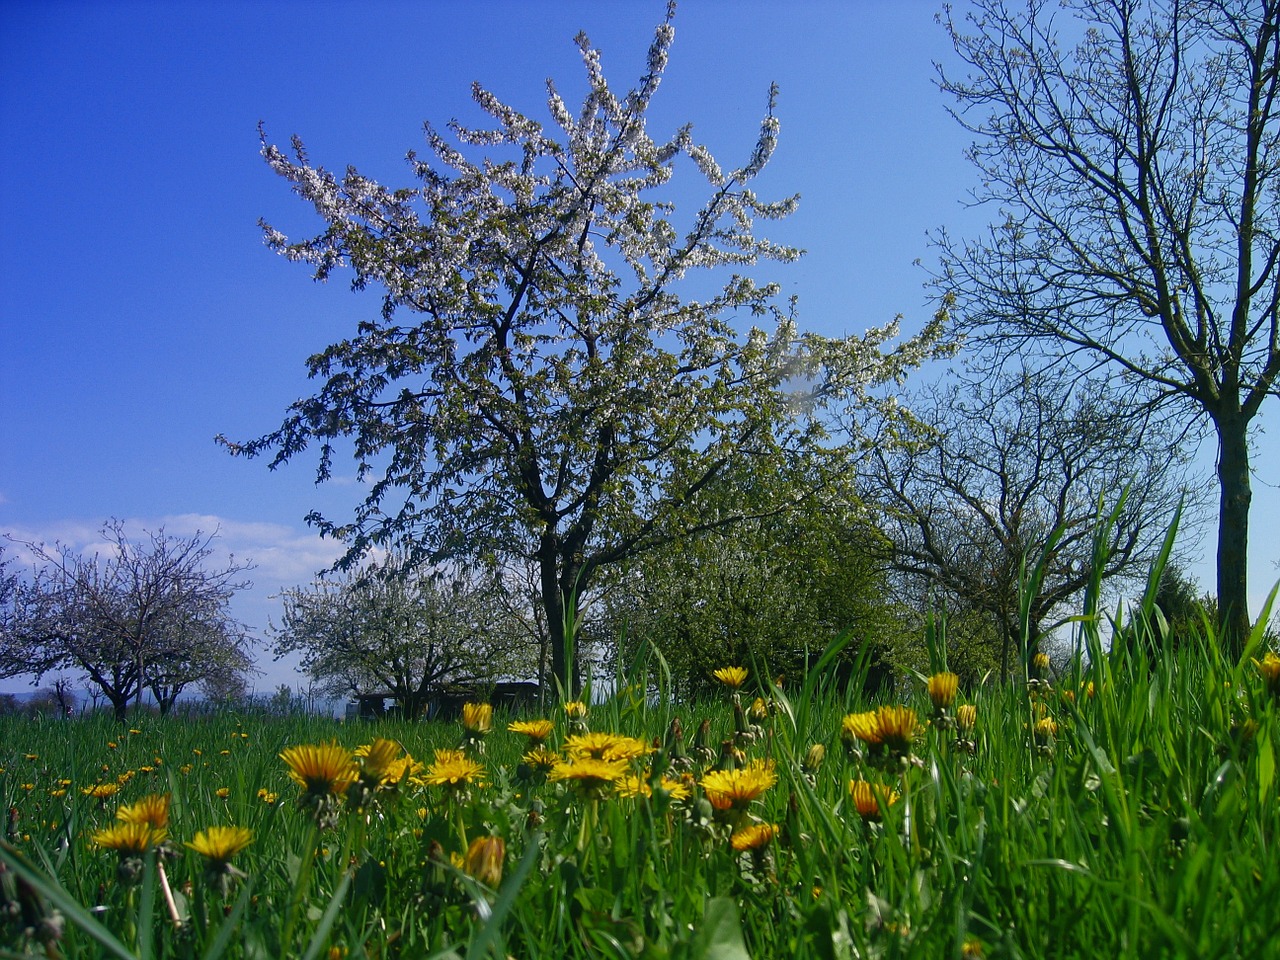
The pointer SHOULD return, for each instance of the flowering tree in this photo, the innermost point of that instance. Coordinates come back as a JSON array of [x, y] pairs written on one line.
[[536, 386], [403, 632], [142, 615]]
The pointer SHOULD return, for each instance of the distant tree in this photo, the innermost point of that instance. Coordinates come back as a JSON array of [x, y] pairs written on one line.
[[559, 393], [1001, 465], [1130, 150], [1184, 607], [771, 592], [8, 593], [141, 613], [194, 651], [395, 630]]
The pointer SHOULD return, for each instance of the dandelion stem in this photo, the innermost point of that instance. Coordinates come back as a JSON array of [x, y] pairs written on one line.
[[300, 889]]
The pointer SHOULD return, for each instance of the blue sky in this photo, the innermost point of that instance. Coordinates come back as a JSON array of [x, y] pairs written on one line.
[[141, 315]]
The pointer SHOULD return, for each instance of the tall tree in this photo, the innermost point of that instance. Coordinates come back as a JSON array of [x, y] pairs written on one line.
[[1001, 466], [551, 395], [400, 631], [141, 613], [1130, 147]]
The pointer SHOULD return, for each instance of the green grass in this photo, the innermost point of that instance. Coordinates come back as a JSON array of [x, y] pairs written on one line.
[[1144, 828]]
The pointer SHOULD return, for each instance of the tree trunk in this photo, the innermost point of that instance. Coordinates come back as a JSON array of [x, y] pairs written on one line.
[[561, 581], [1233, 533], [120, 704]]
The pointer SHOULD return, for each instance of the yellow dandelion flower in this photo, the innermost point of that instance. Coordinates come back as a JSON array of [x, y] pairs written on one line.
[[861, 726], [942, 690], [477, 718], [1046, 729], [589, 774], [575, 710], [222, 793], [897, 726], [31, 756], [320, 769], [679, 790], [736, 789], [966, 717], [219, 844], [266, 796], [871, 799], [1269, 670], [384, 762], [731, 677], [152, 810], [540, 759], [606, 746], [536, 730], [129, 838], [455, 770], [134, 732], [755, 837], [101, 791], [632, 785]]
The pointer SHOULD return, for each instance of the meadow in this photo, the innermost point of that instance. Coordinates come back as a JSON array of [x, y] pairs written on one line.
[[1125, 805]]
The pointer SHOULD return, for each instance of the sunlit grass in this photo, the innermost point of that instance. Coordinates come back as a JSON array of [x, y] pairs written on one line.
[[1124, 807]]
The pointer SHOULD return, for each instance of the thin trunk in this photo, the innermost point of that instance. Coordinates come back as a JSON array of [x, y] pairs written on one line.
[[1233, 533], [553, 601]]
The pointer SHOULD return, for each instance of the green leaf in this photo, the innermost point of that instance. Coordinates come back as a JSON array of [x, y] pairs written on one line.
[[720, 935], [54, 892]]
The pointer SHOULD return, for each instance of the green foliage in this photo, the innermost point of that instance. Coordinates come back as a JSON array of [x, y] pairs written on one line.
[[768, 592]]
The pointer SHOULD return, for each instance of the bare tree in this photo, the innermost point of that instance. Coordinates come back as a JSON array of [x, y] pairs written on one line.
[[1005, 464], [140, 613], [1131, 149]]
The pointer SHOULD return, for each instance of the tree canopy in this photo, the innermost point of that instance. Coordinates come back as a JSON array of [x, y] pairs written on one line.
[[1130, 150], [548, 378]]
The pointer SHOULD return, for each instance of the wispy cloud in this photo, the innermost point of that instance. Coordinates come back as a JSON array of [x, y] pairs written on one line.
[[282, 555]]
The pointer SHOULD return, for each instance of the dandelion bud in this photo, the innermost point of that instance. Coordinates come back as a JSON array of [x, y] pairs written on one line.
[[942, 690], [484, 860], [813, 757], [1039, 667], [966, 718]]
